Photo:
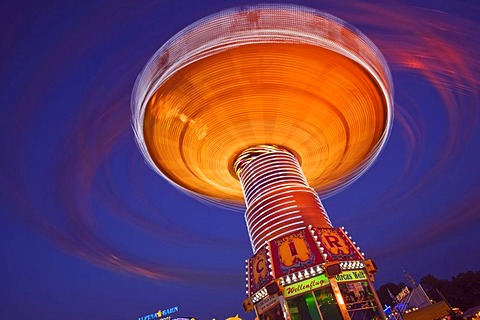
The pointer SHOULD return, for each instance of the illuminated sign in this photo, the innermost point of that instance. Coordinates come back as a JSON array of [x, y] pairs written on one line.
[[266, 303], [294, 252], [260, 272], [305, 286], [402, 294], [351, 276], [334, 243], [337, 245], [160, 314]]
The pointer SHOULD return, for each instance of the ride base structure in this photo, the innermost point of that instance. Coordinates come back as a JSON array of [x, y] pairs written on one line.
[[272, 107]]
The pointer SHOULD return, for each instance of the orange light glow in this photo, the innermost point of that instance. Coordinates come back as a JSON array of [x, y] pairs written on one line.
[[328, 102]]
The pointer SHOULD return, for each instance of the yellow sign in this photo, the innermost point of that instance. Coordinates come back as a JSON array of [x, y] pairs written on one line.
[[334, 242], [305, 286], [355, 275], [259, 269], [293, 247]]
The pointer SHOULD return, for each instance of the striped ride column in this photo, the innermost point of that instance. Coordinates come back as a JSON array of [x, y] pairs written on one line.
[[278, 198]]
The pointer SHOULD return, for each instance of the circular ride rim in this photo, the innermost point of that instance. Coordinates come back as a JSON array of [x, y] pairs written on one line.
[[263, 75]]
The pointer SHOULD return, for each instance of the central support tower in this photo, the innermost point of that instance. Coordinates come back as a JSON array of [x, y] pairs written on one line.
[[277, 195]]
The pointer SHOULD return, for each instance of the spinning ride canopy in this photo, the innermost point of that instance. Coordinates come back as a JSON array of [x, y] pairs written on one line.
[[263, 75]]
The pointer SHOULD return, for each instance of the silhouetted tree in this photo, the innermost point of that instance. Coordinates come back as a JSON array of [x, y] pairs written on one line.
[[463, 291], [432, 285], [466, 290]]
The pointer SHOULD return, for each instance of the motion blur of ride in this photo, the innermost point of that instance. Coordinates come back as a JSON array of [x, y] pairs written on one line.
[[273, 105]]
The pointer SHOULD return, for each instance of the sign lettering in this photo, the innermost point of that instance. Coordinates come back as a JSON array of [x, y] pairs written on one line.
[[402, 294], [356, 275], [160, 314], [266, 303], [334, 243], [305, 286], [260, 265], [293, 250]]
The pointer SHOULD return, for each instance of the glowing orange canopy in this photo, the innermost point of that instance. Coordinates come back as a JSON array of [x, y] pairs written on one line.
[[278, 75]]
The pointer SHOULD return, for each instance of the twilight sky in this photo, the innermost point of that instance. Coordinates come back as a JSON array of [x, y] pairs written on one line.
[[88, 231]]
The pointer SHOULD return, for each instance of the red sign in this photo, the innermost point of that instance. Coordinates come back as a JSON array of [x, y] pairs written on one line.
[[336, 244], [259, 272], [294, 252]]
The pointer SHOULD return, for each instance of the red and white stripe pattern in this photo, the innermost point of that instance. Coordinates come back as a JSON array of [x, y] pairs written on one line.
[[278, 198]]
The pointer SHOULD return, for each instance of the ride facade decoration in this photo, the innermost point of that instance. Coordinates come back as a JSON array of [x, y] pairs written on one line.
[[273, 106]]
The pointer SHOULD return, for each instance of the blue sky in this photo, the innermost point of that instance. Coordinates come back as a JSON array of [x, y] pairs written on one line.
[[88, 231]]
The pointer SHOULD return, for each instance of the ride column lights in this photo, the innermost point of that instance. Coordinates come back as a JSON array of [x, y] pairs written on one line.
[[273, 106], [302, 265]]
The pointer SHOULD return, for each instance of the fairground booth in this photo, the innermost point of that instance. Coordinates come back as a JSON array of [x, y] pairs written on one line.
[[314, 273]]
